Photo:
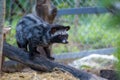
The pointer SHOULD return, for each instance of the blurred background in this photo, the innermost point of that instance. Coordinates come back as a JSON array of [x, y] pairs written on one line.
[[88, 31]]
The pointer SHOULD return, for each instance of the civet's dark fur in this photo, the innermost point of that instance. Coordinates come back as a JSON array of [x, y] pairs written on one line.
[[32, 31]]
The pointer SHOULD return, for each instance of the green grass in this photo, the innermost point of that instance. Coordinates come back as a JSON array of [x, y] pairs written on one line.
[[11, 37], [92, 32]]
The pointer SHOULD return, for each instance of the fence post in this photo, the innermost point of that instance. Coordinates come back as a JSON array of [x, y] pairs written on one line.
[[76, 18], [2, 14]]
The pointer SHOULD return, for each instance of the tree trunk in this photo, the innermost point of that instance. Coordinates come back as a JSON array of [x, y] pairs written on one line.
[[46, 10], [42, 11], [2, 14], [41, 63]]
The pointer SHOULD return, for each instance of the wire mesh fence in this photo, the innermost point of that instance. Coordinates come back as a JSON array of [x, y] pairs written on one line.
[[74, 3], [88, 31]]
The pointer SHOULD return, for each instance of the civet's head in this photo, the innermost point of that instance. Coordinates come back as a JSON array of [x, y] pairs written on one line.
[[59, 34]]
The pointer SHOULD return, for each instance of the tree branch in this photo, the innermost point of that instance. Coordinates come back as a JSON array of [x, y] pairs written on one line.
[[43, 64]]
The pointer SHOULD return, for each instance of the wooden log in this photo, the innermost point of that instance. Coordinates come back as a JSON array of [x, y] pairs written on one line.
[[6, 30], [2, 17], [110, 74], [12, 66], [43, 64]]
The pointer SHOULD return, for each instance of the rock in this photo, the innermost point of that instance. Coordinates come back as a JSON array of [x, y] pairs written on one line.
[[95, 63]]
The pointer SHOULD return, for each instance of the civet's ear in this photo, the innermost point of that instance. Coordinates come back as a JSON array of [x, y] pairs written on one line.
[[53, 30], [67, 28]]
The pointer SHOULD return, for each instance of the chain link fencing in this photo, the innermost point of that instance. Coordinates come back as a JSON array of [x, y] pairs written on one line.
[[88, 31]]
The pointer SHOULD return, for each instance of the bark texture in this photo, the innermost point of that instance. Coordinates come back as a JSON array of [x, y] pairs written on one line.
[[2, 14], [41, 63]]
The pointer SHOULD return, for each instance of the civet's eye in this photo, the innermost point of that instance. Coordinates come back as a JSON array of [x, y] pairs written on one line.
[[60, 36], [53, 31]]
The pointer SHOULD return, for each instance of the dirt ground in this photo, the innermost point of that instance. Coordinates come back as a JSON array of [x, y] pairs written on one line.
[[33, 75]]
